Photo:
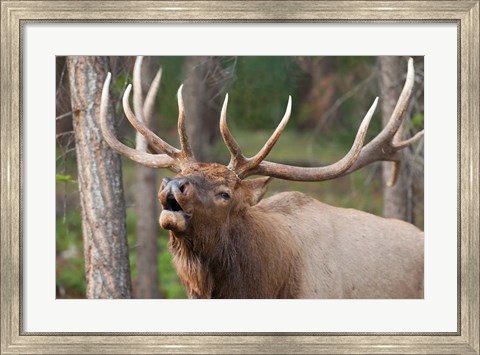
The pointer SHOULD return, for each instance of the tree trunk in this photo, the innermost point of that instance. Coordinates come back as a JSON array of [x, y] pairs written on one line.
[[107, 267], [203, 102], [320, 91], [147, 234], [397, 199], [147, 215]]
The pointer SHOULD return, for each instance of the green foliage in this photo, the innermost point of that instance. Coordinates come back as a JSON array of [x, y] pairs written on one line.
[[416, 122], [69, 249], [70, 271], [172, 77], [265, 84], [128, 142], [63, 178], [132, 241], [119, 83], [169, 283], [347, 64], [69, 231]]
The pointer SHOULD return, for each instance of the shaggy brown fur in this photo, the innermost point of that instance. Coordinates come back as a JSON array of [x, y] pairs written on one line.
[[286, 246]]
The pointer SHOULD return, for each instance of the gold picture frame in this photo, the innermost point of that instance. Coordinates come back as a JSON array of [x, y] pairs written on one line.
[[464, 13]]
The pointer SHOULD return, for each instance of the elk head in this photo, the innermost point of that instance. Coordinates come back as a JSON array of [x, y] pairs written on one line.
[[203, 196]]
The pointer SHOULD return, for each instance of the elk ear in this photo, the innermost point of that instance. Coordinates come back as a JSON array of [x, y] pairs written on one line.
[[256, 188]]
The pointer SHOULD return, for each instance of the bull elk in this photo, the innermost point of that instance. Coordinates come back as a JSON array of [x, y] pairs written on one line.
[[227, 242]]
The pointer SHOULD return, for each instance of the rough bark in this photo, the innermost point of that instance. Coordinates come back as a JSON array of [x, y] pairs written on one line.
[[202, 92], [147, 215], [397, 199], [147, 233], [107, 267]]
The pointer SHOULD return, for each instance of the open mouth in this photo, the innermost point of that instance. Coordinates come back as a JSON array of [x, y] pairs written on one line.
[[173, 217], [172, 204]]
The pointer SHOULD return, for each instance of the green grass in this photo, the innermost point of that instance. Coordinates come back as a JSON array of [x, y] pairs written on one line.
[[70, 280], [70, 277]]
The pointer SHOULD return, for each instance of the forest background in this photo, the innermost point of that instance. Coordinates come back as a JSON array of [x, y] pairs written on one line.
[[330, 97]]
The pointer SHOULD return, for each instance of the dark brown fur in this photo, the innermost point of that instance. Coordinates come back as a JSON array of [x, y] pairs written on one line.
[[287, 246], [236, 257]]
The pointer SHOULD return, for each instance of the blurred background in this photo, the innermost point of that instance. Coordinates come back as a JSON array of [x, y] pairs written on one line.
[[330, 97]]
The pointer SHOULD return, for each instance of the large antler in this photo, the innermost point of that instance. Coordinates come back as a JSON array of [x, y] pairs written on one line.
[[385, 146], [143, 110], [169, 157]]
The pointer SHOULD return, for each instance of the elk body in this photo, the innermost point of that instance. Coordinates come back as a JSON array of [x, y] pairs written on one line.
[[229, 243]]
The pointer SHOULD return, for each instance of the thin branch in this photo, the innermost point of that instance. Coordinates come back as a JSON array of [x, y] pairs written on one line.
[[63, 115], [339, 102]]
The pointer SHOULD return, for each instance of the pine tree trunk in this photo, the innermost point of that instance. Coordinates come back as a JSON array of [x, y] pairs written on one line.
[[203, 100], [147, 234], [397, 199], [107, 267], [146, 212]]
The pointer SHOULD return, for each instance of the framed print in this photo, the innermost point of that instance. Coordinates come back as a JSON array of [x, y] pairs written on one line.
[[37, 35]]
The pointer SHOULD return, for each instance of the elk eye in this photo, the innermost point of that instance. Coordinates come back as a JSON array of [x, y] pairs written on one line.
[[224, 195]]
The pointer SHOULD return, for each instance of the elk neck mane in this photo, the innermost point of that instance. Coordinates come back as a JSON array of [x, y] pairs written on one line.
[[237, 260]]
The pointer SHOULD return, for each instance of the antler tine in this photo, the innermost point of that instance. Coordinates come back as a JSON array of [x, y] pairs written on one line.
[[237, 157], [240, 164], [151, 137], [249, 166], [137, 89], [328, 172], [144, 110], [140, 141], [396, 118], [386, 146], [151, 94], [152, 161], [142, 117], [410, 140], [262, 154], [182, 131]]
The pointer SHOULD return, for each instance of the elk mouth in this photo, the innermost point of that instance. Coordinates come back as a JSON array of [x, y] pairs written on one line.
[[172, 204], [173, 217]]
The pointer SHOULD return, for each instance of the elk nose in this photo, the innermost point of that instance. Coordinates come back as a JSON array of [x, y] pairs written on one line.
[[170, 186], [164, 183], [180, 184]]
